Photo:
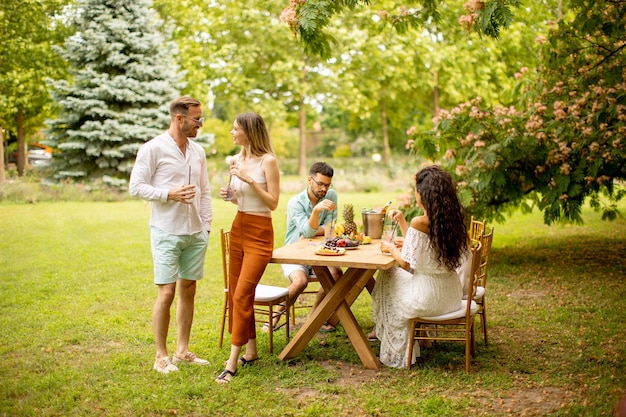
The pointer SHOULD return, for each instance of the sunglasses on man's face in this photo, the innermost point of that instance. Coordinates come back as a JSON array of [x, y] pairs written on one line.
[[198, 122]]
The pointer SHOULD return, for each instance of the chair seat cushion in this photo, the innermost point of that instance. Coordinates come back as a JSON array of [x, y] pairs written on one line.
[[454, 314], [269, 292], [480, 293]]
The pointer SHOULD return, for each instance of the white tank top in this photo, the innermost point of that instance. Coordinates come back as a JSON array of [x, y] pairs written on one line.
[[247, 199]]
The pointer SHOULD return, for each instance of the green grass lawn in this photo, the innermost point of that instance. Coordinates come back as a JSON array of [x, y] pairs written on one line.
[[76, 339]]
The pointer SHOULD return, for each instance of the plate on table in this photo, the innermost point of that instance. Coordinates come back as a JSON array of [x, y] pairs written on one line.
[[351, 247], [330, 251]]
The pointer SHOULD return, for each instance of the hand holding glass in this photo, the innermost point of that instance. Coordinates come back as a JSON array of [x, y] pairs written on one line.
[[228, 192], [388, 237]]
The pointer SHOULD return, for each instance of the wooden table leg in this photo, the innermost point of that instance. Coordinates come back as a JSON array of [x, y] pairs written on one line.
[[314, 321], [334, 301], [351, 298], [352, 328], [327, 282]]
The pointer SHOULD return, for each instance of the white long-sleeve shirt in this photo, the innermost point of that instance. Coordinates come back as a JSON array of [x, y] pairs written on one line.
[[161, 166]]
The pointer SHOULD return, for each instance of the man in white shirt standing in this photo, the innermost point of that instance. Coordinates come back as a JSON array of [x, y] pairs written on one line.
[[171, 173]]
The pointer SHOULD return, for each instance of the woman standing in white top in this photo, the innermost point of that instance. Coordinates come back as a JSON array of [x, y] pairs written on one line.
[[255, 179]]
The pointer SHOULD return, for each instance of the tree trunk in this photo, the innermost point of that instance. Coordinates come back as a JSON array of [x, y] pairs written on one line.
[[2, 175], [435, 93], [386, 148], [302, 168], [22, 147]]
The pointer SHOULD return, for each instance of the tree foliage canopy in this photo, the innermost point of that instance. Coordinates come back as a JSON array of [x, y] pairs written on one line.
[[547, 129], [28, 29], [562, 141], [309, 19], [124, 77]]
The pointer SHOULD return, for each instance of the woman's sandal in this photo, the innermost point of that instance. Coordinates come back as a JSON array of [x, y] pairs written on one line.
[[225, 377], [243, 361], [371, 336], [266, 326]]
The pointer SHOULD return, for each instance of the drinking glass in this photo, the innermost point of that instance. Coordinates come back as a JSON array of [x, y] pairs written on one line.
[[230, 192], [389, 232], [328, 230]]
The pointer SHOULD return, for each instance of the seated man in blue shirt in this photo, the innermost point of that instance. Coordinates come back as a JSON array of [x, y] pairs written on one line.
[[307, 213]]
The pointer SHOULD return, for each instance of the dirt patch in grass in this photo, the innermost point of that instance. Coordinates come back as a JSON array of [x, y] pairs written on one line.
[[521, 401], [517, 401], [353, 376], [528, 294]]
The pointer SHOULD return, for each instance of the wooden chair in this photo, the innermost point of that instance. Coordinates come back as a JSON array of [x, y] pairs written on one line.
[[266, 298], [481, 279], [476, 228], [455, 326]]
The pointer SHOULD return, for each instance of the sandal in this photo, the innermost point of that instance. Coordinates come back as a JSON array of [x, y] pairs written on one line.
[[371, 336], [225, 377], [327, 328], [243, 361], [266, 326]]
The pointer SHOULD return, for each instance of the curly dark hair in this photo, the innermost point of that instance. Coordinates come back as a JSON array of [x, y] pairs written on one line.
[[446, 225]]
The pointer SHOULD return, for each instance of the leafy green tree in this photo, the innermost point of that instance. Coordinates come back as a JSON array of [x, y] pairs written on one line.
[[241, 55], [562, 142], [124, 77], [381, 80], [389, 80], [309, 19], [466, 64], [28, 31]]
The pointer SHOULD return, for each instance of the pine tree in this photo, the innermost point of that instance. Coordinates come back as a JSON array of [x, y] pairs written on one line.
[[124, 76]]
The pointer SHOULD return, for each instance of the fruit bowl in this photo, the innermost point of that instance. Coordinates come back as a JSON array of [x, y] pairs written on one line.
[[341, 242]]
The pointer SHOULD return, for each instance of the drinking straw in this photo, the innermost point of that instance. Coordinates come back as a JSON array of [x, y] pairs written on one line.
[[394, 228]]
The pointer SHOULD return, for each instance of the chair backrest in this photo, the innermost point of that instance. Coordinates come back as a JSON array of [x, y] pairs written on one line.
[[485, 254], [225, 235], [473, 284], [476, 228]]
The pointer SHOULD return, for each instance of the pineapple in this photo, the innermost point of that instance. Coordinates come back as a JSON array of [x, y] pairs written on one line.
[[348, 216]]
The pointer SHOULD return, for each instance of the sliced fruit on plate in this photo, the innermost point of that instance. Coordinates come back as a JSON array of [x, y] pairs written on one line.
[[330, 251]]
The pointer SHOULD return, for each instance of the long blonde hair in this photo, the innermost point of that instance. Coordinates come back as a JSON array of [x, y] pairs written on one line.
[[255, 129]]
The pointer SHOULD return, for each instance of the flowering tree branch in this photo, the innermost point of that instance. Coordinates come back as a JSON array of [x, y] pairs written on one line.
[[308, 19], [562, 142]]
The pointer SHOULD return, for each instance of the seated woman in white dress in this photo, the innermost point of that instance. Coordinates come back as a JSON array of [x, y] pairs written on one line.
[[425, 282]]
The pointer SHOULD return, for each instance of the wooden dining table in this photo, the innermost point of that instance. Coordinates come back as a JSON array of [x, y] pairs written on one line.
[[360, 266]]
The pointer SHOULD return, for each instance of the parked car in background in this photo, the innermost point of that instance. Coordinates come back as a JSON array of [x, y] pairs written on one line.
[[38, 155]]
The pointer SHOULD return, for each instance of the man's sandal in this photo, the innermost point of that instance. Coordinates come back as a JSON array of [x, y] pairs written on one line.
[[225, 377], [327, 328]]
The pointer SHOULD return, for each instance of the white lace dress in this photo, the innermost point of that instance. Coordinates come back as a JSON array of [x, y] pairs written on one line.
[[399, 296]]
